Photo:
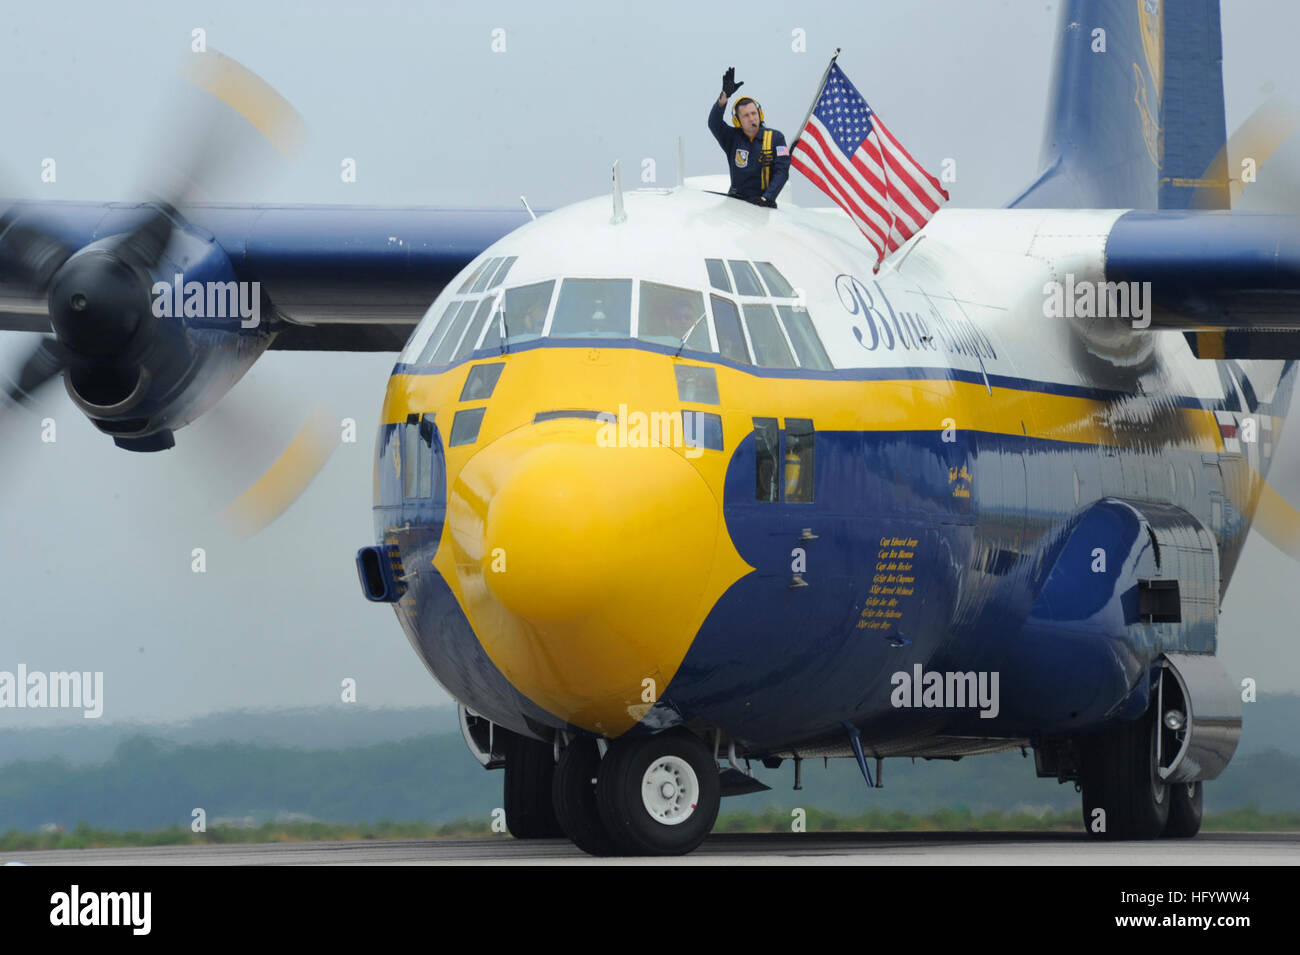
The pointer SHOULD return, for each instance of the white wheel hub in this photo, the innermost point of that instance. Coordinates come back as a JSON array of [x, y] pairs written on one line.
[[670, 790]]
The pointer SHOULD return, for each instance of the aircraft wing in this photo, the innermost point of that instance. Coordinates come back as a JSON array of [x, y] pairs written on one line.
[[337, 278], [1231, 280]]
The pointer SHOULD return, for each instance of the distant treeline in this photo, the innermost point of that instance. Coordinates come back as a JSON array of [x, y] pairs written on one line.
[[151, 784]]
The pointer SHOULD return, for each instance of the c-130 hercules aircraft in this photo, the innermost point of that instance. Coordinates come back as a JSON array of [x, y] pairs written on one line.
[[667, 483]]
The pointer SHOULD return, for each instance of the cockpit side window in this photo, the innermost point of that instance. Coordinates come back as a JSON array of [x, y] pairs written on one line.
[[481, 282], [442, 343], [776, 283], [731, 340], [770, 349], [500, 275], [481, 317], [668, 315], [746, 280], [804, 337], [718, 277], [440, 329], [593, 308], [474, 276]]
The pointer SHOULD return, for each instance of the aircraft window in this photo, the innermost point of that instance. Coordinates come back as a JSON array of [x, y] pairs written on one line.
[[702, 429], [766, 445], [439, 330], [731, 340], [481, 316], [770, 349], [525, 314], [473, 276], [500, 275], [798, 460], [804, 338], [746, 280], [669, 313], [481, 382], [718, 274], [776, 283], [481, 282], [464, 427], [417, 456], [698, 339], [593, 308], [449, 341], [697, 384]]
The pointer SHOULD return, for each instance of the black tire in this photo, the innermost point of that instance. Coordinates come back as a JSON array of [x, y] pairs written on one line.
[[573, 793], [530, 766], [1119, 775], [623, 773], [1186, 801]]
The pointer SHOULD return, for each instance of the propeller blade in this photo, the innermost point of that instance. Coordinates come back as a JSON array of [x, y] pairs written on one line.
[[286, 479], [46, 361], [29, 256], [1259, 137], [1256, 140], [1277, 520], [252, 97]]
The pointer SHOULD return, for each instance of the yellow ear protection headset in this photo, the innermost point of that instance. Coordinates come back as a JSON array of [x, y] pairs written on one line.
[[735, 110]]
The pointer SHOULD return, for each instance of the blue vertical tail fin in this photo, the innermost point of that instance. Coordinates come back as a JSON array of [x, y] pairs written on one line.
[[1135, 112]]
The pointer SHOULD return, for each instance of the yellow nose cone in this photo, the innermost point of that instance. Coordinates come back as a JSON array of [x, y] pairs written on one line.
[[585, 571]]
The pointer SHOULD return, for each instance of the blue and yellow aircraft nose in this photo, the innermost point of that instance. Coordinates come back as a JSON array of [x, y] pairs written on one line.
[[584, 557], [585, 570]]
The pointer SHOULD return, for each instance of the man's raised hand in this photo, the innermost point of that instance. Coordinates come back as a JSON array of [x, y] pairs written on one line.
[[729, 84]]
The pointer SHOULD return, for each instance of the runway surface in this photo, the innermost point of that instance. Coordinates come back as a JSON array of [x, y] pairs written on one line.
[[840, 848]]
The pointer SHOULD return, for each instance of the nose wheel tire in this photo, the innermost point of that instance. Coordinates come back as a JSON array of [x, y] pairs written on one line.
[[1119, 778], [659, 795], [1185, 805], [573, 792], [530, 766]]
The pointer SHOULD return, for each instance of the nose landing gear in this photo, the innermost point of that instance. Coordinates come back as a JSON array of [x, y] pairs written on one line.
[[573, 791], [530, 765], [653, 795], [659, 795]]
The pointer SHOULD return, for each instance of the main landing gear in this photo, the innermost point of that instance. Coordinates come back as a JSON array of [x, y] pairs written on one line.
[[652, 795], [1124, 795]]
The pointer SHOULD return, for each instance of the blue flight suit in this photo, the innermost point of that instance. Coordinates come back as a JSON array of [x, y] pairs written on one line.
[[743, 158]]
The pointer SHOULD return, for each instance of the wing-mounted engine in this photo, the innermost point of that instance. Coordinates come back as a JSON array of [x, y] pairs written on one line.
[[151, 324], [1230, 281]]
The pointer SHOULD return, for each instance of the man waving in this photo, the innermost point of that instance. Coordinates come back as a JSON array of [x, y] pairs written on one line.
[[757, 155]]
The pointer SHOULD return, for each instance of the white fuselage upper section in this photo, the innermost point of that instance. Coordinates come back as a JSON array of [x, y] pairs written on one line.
[[972, 280]]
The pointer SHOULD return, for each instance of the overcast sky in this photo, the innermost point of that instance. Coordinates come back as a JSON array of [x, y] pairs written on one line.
[[95, 568]]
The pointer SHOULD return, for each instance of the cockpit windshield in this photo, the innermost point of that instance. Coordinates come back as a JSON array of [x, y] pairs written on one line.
[[668, 315], [751, 315], [593, 308]]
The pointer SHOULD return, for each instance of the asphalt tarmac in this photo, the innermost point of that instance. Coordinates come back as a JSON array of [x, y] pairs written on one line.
[[838, 848]]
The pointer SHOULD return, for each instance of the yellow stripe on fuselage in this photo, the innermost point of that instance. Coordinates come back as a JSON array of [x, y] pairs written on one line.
[[547, 379]]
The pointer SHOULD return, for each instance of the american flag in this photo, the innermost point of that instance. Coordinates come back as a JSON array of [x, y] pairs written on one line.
[[847, 153]]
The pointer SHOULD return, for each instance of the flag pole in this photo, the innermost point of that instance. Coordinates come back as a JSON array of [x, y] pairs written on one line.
[[816, 97]]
